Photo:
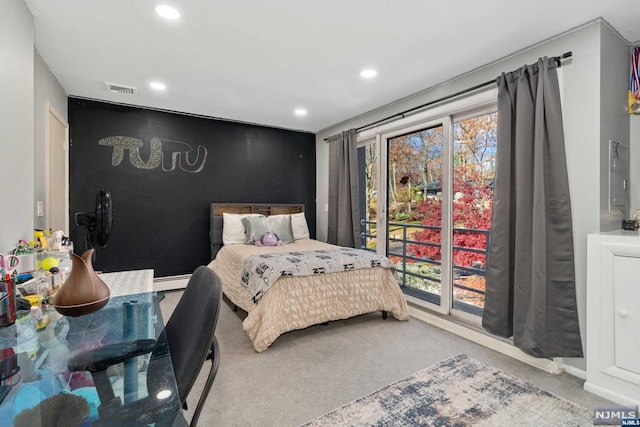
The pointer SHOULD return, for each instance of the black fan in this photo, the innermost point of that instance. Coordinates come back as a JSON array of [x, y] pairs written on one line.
[[97, 223]]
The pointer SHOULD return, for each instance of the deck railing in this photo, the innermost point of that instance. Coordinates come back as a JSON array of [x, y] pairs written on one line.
[[398, 247]]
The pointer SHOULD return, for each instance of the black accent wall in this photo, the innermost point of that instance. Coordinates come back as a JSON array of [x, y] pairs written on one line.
[[164, 169]]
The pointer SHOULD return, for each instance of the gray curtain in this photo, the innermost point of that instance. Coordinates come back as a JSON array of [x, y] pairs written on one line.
[[344, 216], [530, 291]]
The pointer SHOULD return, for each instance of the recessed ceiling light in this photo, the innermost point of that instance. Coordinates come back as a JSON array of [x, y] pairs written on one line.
[[368, 73], [157, 86], [167, 12], [300, 112]]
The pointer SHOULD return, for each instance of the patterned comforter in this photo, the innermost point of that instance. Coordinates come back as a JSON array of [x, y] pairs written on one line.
[[297, 302], [261, 271]]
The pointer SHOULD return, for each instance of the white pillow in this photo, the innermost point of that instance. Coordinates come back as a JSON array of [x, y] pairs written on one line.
[[299, 225], [232, 228]]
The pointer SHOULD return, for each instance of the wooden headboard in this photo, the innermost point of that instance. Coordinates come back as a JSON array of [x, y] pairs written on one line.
[[217, 209]]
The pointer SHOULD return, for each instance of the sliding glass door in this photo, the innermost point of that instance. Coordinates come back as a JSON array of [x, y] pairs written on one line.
[[369, 175], [474, 149], [426, 195], [414, 215]]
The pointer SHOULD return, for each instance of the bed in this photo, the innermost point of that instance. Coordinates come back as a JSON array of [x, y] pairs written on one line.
[[295, 302]]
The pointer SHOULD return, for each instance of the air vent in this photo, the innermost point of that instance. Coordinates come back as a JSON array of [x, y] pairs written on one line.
[[128, 90]]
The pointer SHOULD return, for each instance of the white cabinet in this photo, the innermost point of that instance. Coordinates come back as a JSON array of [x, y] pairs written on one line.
[[613, 316]]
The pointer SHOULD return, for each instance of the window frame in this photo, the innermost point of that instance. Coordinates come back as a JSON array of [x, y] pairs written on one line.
[[446, 115]]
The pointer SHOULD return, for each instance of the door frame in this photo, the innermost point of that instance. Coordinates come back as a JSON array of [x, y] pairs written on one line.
[[446, 114], [445, 231], [49, 112]]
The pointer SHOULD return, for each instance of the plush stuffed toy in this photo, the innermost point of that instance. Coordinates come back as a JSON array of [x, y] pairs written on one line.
[[268, 239]]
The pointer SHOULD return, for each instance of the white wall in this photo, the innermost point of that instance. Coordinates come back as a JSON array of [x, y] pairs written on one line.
[[634, 138], [581, 80], [614, 119], [16, 123], [46, 89]]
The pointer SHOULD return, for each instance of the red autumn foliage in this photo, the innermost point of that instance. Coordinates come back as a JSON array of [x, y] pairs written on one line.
[[471, 209]]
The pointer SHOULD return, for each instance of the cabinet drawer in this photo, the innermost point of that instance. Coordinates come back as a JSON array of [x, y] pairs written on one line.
[[626, 289]]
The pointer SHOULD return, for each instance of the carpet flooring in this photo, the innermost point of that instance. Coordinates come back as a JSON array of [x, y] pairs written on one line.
[[310, 372], [459, 391]]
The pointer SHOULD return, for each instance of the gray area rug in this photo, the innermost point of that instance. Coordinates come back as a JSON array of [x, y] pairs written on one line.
[[459, 391]]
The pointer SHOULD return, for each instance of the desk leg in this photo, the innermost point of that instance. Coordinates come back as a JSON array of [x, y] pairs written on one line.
[[130, 333]]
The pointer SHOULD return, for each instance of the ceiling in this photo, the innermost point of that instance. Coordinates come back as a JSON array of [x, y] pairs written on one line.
[[256, 61]]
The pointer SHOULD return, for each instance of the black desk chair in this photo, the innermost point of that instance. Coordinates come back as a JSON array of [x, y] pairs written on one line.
[[190, 332], [188, 337]]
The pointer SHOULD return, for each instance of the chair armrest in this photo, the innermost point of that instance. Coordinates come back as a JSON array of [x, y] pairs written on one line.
[[101, 358]]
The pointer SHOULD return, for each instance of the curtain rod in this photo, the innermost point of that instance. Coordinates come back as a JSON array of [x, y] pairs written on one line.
[[401, 115]]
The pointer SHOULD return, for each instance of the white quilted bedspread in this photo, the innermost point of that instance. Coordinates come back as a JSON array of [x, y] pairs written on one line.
[[298, 302]]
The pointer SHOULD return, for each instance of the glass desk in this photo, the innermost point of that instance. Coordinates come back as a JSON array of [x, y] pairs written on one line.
[[42, 367]]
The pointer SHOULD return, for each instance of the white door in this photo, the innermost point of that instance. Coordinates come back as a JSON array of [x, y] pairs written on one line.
[[57, 171]]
